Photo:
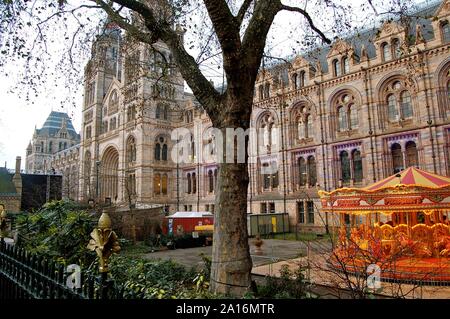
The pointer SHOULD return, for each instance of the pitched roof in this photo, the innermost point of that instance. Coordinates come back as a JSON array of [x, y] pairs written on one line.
[[54, 123]]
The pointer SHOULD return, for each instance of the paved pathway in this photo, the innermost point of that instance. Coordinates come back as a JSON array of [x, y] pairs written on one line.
[[273, 250]]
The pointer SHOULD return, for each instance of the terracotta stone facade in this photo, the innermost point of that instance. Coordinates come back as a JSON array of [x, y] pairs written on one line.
[[350, 114]]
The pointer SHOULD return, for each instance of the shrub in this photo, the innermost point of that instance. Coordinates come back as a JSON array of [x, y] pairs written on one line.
[[59, 230]]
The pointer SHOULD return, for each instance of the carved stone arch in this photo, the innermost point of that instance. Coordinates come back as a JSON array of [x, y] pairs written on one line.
[[341, 90], [381, 93], [263, 112]]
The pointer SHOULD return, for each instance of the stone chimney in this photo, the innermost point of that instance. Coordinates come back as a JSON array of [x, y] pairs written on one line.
[[17, 178]]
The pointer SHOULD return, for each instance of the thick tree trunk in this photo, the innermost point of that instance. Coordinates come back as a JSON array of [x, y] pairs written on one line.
[[231, 261]]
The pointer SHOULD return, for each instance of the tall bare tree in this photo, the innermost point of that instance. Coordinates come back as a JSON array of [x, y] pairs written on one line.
[[240, 28]]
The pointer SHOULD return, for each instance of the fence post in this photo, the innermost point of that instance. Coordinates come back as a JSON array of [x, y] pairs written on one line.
[[104, 243]]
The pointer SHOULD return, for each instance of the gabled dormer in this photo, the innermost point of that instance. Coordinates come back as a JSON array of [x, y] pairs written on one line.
[[263, 85], [301, 73], [340, 58], [441, 23], [390, 42]]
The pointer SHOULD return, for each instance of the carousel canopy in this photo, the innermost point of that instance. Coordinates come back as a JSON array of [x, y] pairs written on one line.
[[411, 176], [412, 190]]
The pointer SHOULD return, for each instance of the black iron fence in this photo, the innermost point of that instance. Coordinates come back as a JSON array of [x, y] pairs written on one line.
[[28, 276]]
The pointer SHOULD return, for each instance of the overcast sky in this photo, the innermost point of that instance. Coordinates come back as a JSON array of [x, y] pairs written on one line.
[[19, 117]]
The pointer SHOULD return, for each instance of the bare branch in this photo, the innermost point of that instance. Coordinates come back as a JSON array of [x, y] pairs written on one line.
[[310, 21], [241, 14]]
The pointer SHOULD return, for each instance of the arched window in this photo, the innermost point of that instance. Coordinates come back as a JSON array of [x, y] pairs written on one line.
[[396, 48], [210, 181], [164, 152], [302, 171], [412, 157], [406, 108], [346, 64], [398, 100], [397, 158], [342, 118], [164, 182], [347, 112], [267, 91], [353, 116], [386, 52], [194, 183], [157, 184], [161, 149], [268, 136], [312, 174], [445, 29], [301, 79], [158, 111], [309, 126], [336, 68], [261, 92], [357, 166], [392, 108], [345, 167], [131, 149], [189, 183], [294, 80], [157, 152], [215, 178]]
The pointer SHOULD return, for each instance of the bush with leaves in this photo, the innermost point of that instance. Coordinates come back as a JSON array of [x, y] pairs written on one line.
[[157, 279], [59, 230], [290, 284]]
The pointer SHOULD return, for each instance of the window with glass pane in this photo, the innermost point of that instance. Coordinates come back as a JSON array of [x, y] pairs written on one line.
[[345, 167], [412, 157], [275, 180], [386, 52], [397, 158], [302, 171], [445, 32], [301, 212], [294, 80], [211, 181], [357, 166], [194, 183], [405, 98], [310, 208], [164, 152], [396, 48], [342, 114], [157, 184], [157, 152], [309, 126], [189, 183], [353, 114], [337, 68], [392, 108], [164, 184], [346, 64], [312, 171], [263, 208], [272, 208]]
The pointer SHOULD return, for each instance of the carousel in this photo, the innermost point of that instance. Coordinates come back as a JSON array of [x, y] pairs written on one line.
[[400, 223]]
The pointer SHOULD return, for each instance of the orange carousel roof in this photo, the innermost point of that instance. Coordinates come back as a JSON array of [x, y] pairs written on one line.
[[411, 176], [411, 190]]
